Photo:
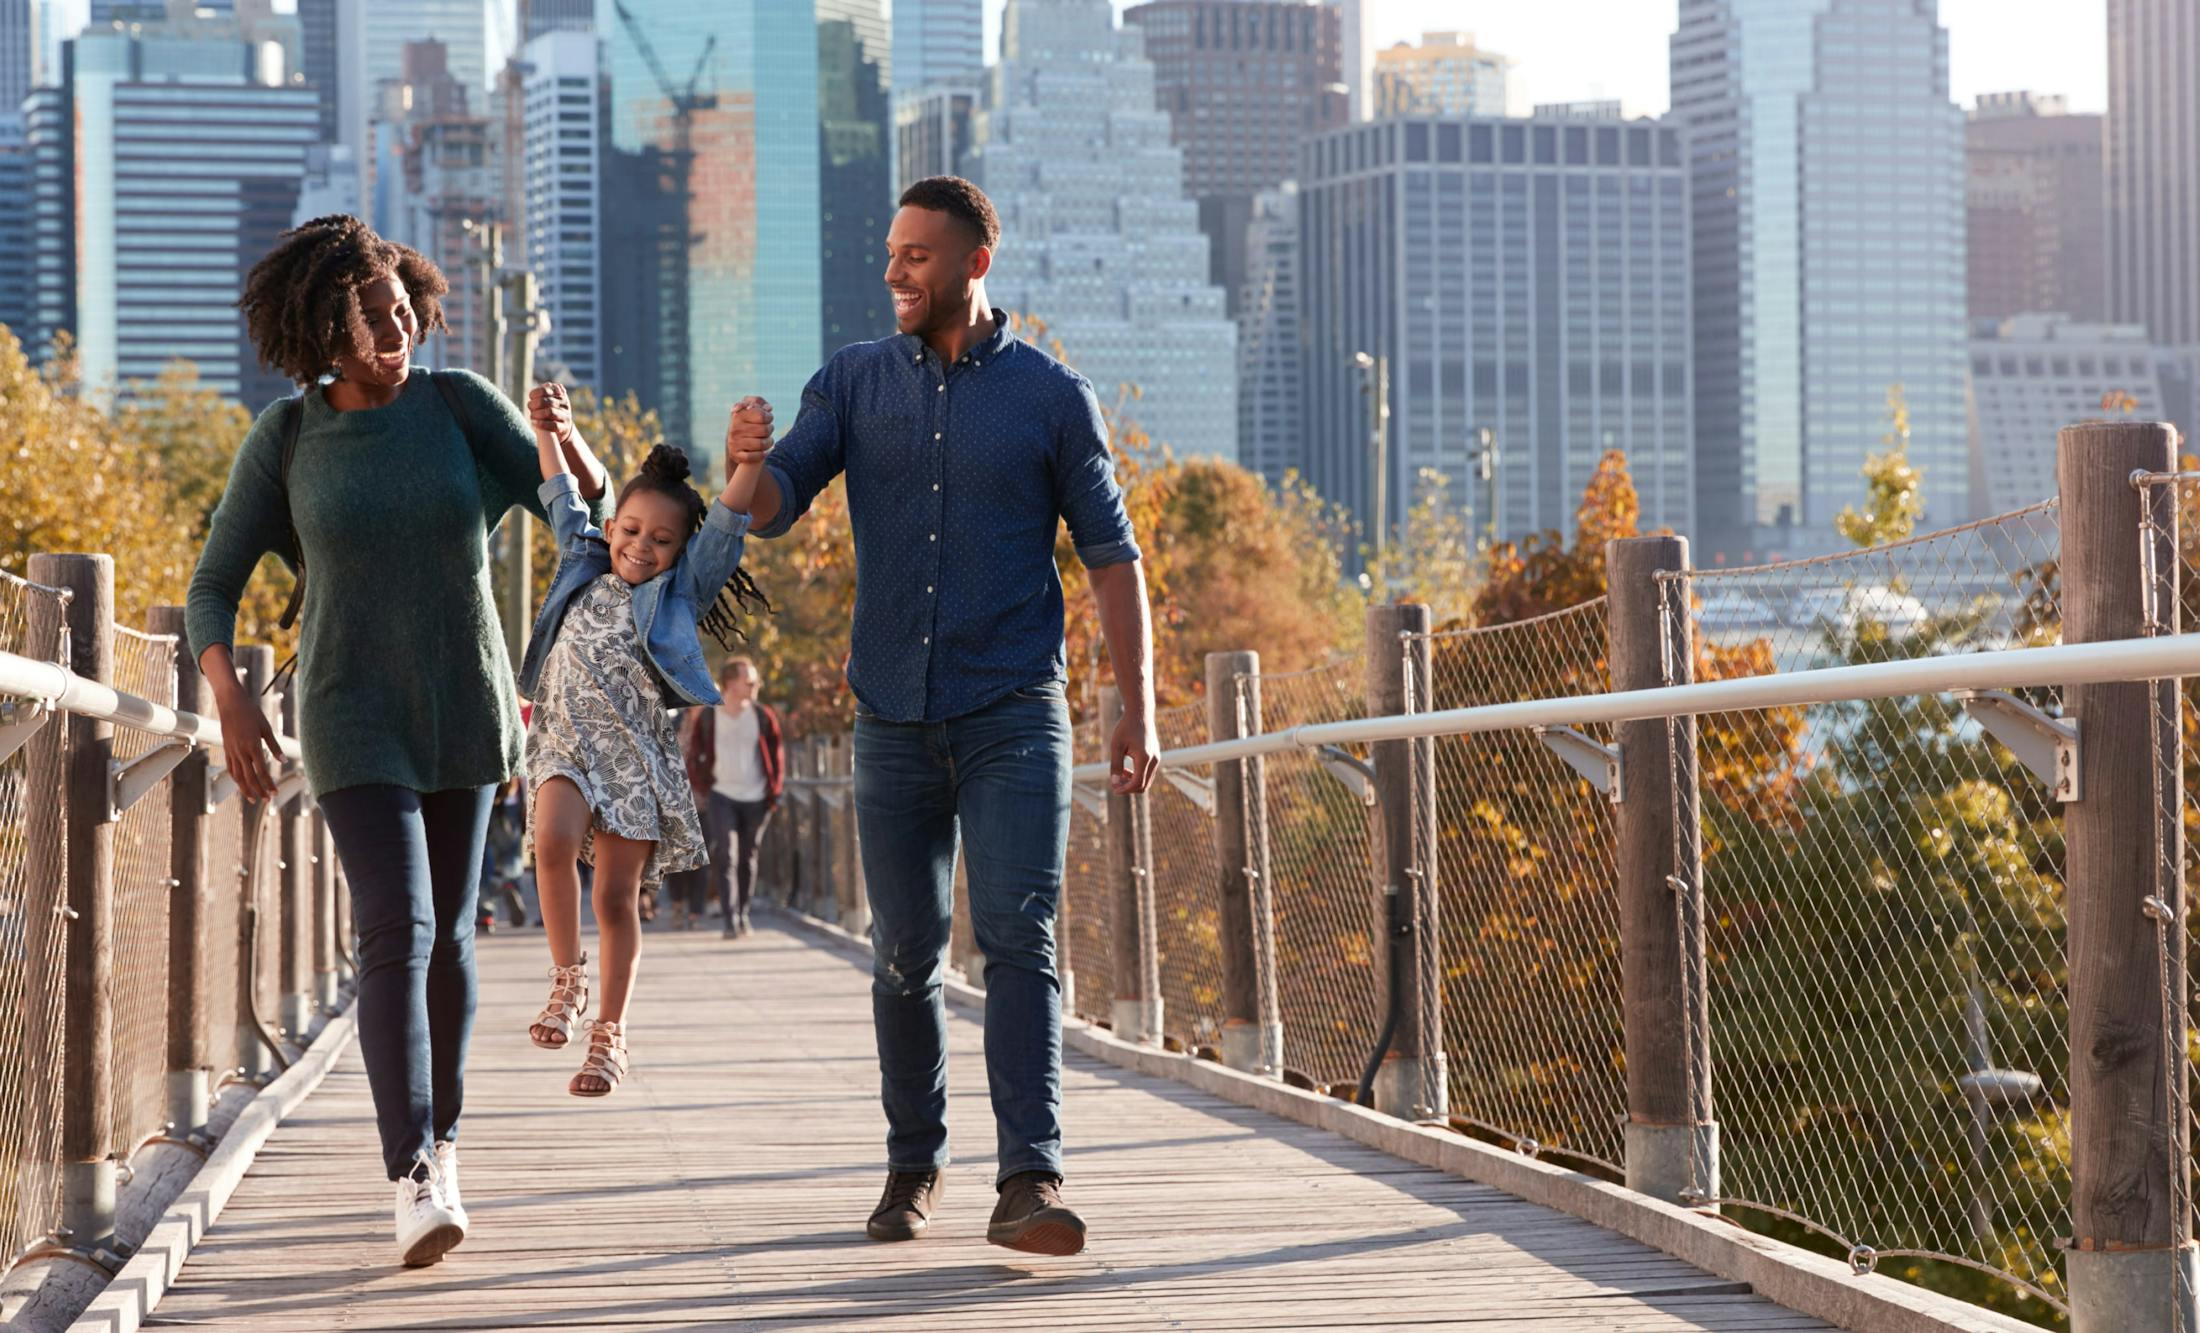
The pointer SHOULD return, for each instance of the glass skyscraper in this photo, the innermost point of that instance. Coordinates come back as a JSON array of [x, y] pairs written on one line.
[[937, 42], [855, 170], [1098, 238], [1528, 277], [1828, 191], [2154, 167], [185, 169], [712, 275]]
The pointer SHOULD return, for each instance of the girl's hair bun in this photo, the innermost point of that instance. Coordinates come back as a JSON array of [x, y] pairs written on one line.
[[667, 464]]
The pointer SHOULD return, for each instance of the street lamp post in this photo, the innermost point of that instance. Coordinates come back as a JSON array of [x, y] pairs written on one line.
[[1485, 462], [1375, 383]]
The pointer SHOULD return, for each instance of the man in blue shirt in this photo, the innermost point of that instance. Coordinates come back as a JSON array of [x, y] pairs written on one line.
[[965, 448]]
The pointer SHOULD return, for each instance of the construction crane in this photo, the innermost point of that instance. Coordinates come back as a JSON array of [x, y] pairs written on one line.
[[675, 238]]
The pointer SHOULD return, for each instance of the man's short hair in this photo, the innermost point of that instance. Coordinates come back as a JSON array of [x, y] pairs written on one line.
[[741, 666], [961, 200]]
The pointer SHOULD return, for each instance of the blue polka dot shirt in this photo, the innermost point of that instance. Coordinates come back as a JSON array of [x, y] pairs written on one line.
[[958, 479]]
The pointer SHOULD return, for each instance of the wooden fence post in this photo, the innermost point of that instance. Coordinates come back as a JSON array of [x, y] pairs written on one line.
[[326, 946], [190, 1059], [1137, 1012], [296, 970], [87, 1065], [2130, 1259], [1252, 1025], [46, 926], [855, 912], [255, 665], [1411, 1082], [1672, 1140]]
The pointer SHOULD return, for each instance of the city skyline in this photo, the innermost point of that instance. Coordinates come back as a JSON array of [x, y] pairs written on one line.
[[2050, 46]]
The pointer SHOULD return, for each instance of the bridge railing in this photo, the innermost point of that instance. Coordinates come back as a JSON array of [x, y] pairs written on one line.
[[163, 947], [1787, 892]]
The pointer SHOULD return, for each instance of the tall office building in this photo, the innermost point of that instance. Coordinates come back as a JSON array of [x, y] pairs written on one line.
[[1529, 277], [2037, 223], [370, 44], [438, 183], [562, 175], [1446, 75], [712, 277], [932, 131], [537, 17], [1271, 415], [16, 248], [318, 60], [1098, 238], [2154, 167], [2035, 374], [855, 170], [1245, 83], [105, 13], [18, 53], [50, 142], [1827, 183], [185, 167], [1357, 48], [937, 43]]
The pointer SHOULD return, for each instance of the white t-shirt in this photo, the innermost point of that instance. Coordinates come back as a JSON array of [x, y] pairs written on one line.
[[739, 772]]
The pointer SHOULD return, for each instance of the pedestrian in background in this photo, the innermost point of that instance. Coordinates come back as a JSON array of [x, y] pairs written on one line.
[[737, 763]]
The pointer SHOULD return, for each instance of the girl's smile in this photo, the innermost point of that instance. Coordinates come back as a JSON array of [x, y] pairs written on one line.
[[646, 535]]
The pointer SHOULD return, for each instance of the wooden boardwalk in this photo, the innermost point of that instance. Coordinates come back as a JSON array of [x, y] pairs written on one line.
[[725, 1187]]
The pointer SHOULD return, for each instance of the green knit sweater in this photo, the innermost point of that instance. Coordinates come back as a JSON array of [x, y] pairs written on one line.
[[402, 672]]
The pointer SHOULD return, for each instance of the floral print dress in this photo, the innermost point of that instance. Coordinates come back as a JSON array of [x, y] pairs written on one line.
[[600, 723]]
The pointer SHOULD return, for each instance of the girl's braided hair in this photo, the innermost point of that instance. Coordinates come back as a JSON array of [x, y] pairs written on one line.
[[665, 471], [301, 301]]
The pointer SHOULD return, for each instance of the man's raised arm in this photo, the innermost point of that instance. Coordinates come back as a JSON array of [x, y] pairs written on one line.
[[803, 463]]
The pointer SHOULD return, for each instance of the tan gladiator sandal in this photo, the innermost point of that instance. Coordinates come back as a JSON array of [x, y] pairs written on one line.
[[606, 1062], [553, 1027]]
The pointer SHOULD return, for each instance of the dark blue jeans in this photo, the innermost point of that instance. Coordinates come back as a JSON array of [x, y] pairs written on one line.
[[413, 861], [1001, 776]]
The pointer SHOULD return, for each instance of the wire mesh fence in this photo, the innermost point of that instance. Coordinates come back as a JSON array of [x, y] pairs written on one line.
[[1883, 891], [144, 666], [1320, 823], [1995, 583], [1187, 897], [1526, 869], [33, 941], [1088, 905], [2171, 558]]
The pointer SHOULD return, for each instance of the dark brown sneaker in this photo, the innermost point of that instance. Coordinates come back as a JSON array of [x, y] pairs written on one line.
[[1032, 1217], [905, 1210]]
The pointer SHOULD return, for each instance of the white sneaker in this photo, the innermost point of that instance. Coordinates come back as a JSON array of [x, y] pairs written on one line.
[[446, 1157], [426, 1229]]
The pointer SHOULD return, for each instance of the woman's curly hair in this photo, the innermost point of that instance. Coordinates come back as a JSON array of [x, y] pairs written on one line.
[[666, 472], [301, 301]]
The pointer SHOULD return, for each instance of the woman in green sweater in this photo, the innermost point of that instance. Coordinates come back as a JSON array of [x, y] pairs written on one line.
[[407, 713]]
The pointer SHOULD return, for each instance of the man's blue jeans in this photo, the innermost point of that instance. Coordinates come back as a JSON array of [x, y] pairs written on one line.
[[1000, 775]]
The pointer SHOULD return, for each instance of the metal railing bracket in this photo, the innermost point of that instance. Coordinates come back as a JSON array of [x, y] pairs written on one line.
[[1597, 762], [2046, 745]]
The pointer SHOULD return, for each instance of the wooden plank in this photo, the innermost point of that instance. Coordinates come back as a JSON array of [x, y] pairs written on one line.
[[725, 1186]]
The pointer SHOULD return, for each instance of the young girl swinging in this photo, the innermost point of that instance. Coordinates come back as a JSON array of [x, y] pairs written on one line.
[[615, 648]]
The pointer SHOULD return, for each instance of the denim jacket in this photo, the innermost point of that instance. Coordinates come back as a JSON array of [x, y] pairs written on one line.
[[666, 609]]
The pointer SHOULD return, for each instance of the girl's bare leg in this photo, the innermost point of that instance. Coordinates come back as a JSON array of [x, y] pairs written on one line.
[[561, 827], [618, 890]]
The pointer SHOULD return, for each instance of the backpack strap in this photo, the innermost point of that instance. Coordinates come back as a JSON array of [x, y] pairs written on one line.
[[294, 417], [453, 400]]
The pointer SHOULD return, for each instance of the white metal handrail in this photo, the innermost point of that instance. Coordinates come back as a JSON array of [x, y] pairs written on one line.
[[2160, 658], [59, 688]]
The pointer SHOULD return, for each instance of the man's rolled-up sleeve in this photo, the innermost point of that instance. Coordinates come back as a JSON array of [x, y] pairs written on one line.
[[1085, 489], [808, 456]]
